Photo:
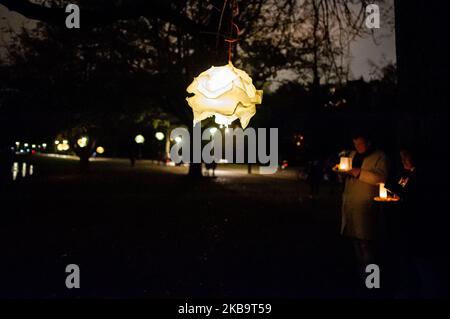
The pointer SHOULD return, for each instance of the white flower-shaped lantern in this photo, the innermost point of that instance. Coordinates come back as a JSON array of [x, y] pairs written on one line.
[[226, 93]]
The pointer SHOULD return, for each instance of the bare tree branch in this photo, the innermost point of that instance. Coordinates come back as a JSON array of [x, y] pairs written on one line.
[[110, 14]]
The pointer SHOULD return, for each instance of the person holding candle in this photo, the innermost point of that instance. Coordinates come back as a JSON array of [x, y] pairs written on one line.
[[369, 169], [411, 233]]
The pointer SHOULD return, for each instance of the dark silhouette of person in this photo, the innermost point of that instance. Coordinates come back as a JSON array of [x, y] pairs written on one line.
[[409, 229], [132, 151], [211, 166]]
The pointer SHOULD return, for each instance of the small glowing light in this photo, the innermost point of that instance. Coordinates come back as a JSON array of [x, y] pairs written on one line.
[[383, 191], [82, 142], [170, 163], [213, 130], [17, 144], [44, 145], [345, 164], [33, 146], [299, 144], [26, 144], [159, 136], [178, 139], [139, 139], [63, 147], [31, 170], [56, 142], [65, 142], [100, 150]]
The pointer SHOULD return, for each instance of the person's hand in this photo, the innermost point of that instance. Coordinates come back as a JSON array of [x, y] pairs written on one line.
[[354, 172]]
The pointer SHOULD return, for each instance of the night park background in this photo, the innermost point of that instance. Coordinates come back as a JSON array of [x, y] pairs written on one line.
[[159, 230]]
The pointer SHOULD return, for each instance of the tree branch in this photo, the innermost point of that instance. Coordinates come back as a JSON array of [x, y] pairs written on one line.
[[110, 14]]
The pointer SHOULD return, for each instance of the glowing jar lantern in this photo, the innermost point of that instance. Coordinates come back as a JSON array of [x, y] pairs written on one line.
[[383, 191], [345, 164], [226, 93]]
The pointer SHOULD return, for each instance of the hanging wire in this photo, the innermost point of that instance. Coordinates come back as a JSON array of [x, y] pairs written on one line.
[[234, 11], [220, 21], [231, 41]]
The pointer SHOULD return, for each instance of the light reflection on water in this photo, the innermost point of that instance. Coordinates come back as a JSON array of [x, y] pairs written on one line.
[[24, 169], [15, 171]]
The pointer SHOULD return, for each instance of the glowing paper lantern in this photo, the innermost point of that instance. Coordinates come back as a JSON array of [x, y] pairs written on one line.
[[159, 136], [345, 164], [82, 142], [100, 150], [226, 93], [62, 147], [139, 139]]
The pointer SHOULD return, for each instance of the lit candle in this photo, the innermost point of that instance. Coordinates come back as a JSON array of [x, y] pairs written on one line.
[[345, 164], [383, 191]]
